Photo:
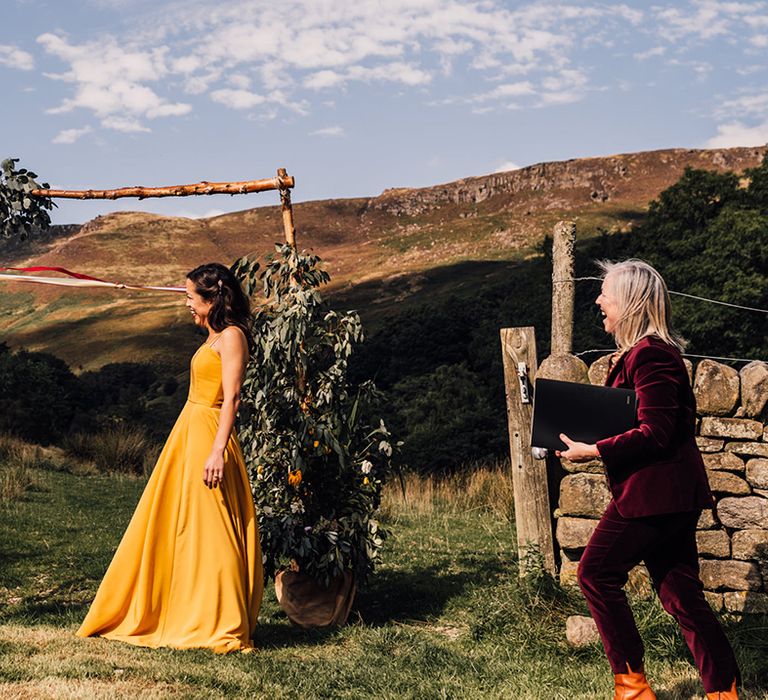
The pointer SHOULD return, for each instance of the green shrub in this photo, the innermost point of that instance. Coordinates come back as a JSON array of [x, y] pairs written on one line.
[[39, 395]]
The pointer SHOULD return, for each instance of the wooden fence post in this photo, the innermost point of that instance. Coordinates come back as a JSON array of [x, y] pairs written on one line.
[[529, 476], [285, 205], [563, 287], [561, 364]]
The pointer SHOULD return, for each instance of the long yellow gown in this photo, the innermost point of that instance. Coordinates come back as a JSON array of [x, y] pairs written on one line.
[[188, 572]]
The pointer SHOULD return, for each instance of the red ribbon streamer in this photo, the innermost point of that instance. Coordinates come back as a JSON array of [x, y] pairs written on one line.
[[78, 275]]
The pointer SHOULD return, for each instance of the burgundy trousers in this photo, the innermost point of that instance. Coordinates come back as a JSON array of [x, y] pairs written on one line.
[[667, 545]]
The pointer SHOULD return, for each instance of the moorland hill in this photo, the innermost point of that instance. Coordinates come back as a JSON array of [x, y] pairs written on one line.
[[382, 252]]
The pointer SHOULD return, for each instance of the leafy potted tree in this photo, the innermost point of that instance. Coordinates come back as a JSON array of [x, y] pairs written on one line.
[[317, 463]]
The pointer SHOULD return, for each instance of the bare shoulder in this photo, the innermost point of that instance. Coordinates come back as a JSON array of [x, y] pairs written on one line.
[[233, 339]]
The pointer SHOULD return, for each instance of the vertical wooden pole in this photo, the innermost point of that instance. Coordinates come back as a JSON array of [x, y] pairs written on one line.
[[285, 204], [529, 476], [563, 287]]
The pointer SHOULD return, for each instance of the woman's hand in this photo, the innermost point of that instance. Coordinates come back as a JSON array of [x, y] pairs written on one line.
[[577, 451], [213, 472]]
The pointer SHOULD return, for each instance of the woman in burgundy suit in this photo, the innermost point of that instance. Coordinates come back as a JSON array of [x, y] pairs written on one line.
[[659, 488]]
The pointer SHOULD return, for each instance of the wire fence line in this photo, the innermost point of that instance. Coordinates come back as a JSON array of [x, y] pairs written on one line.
[[682, 294], [679, 294], [685, 354], [722, 303]]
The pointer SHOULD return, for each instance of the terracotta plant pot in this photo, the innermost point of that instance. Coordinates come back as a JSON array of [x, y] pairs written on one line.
[[309, 605]]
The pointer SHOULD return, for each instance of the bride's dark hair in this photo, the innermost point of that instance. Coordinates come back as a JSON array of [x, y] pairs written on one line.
[[215, 282]]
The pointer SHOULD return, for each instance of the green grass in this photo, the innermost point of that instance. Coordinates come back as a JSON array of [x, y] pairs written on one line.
[[445, 617]]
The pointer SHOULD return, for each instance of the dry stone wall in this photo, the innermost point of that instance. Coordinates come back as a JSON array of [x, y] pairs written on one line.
[[733, 537]]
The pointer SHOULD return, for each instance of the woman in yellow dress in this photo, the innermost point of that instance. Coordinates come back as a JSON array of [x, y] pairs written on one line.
[[188, 572]]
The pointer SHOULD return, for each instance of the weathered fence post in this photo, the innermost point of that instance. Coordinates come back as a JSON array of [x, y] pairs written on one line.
[[561, 364], [563, 287], [285, 205], [533, 517]]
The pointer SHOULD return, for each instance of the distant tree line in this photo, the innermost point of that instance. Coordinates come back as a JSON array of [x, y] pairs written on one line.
[[42, 400]]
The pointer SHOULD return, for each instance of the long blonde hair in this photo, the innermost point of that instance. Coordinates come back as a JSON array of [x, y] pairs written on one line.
[[643, 300]]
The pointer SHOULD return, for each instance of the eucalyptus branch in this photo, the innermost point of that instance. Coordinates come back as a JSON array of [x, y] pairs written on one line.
[[20, 211]]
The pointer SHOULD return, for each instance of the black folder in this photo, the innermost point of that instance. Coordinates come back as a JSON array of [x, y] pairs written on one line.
[[584, 412]]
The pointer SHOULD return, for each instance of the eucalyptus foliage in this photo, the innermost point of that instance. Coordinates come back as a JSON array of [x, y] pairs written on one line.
[[317, 464], [20, 212]]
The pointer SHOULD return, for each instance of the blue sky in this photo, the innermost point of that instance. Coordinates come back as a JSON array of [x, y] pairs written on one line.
[[355, 96]]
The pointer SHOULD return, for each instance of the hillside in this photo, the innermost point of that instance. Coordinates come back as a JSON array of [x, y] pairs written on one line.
[[381, 251]]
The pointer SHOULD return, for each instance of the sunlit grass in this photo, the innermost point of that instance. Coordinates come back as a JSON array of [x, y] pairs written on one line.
[[19, 462], [445, 616], [483, 488]]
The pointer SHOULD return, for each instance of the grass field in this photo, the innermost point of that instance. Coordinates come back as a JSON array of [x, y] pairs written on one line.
[[445, 617]]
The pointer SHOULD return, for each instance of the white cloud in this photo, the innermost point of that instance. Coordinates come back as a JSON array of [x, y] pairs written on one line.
[[263, 58], [650, 53], [237, 99], [708, 19], [704, 22], [189, 214], [176, 109], [323, 79], [127, 126], [750, 70], [242, 82], [397, 72], [102, 60], [198, 84], [758, 21], [71, 135], [743, 121], [504, 91], [284, 99], [328, 131], [186, 64], [738, 134], [631, 15], [566, 87], [110, 81], [328, 46], [14, 57], [754, 105], [506, 166]]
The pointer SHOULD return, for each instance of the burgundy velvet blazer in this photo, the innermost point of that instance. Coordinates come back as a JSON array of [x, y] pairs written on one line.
[[656, 468]]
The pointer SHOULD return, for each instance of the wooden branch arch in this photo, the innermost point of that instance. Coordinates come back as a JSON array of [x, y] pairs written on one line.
[[283, 183]]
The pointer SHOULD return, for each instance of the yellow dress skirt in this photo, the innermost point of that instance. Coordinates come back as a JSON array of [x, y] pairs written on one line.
[[188, 572]]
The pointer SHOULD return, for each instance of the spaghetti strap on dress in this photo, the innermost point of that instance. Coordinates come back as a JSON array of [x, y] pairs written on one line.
[[188, 572]]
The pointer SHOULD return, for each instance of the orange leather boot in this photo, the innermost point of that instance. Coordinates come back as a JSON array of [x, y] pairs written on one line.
[[632, 685], [724, 694]]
